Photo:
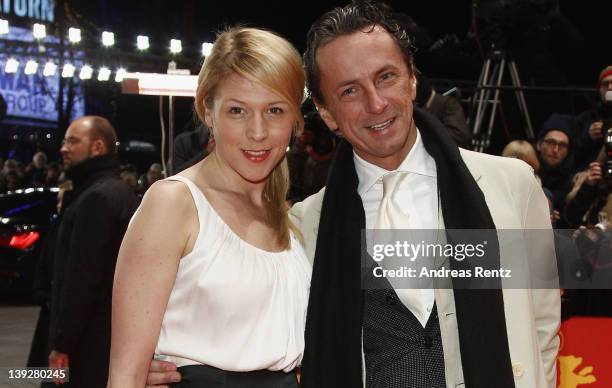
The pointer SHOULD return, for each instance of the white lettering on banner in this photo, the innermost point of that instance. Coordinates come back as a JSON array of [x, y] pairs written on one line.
[[21, 7], [35, 96], [34, 9], [25, 95], [42, 10]]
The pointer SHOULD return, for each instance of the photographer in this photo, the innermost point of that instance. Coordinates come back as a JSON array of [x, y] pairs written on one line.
[[591, 125], [589, 206], [589, 203]]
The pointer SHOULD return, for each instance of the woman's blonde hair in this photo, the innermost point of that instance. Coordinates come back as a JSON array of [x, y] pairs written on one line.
[[265, 58], [523, 150]]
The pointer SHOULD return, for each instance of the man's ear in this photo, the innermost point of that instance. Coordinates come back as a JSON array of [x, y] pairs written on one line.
[[326, 116], [98, 147], [413, 88]]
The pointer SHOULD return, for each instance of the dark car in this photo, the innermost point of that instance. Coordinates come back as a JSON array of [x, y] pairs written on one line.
[[25, 216]]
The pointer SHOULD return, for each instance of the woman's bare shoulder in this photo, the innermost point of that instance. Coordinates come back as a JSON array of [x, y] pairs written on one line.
[[168, 197]]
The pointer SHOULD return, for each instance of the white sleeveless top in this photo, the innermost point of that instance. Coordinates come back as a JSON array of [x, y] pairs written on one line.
[[234, 306]]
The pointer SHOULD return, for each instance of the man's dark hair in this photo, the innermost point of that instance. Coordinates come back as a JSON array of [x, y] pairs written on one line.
[[359, 15]]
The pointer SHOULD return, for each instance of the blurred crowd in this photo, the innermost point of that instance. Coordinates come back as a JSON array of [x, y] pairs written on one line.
[[42, 173]]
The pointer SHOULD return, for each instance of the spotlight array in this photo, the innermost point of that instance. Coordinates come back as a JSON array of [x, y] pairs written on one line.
[[85, 72], [39, 31]]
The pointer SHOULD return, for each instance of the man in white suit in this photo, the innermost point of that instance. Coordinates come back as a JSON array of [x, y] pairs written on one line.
[[361, 75]]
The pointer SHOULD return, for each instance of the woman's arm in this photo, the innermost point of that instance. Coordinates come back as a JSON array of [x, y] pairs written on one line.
[[161, 232]]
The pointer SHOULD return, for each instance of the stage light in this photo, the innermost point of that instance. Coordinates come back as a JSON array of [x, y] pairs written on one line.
[[30, 67], [206, 48], [142, 42], [39, 31], [108, 38], [86, 72], [49, 69], [104, 73], [11, 66], [4, 27], [175, 46], [74, 35], [120, 74], [68, 71]]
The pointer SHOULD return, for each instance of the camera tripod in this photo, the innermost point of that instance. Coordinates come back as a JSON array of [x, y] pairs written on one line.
[[490, 81]]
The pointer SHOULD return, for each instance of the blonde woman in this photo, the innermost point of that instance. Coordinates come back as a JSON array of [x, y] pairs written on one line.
[[210, 274], [523, 150]]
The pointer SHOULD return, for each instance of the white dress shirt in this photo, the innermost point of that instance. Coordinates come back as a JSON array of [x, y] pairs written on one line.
[[417, 195]]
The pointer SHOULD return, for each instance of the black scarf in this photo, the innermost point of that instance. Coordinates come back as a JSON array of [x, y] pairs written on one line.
[[332, 356]]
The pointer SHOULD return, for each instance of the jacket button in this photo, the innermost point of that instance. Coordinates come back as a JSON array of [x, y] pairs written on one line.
[[390, 300], [427, 342], [518, 369]]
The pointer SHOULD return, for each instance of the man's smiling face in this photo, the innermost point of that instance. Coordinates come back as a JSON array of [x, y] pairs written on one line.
[[368, 92]]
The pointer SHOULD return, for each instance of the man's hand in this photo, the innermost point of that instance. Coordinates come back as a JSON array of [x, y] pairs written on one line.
[[593, 174], [162, 373], [58, 360], [595, 130]]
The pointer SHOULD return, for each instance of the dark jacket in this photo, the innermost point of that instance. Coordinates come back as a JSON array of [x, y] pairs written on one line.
[[190, 148], [95, 216], [586, 148], [41, 295], [449, 111]]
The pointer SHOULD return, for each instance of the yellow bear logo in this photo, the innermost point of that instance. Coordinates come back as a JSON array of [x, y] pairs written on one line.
[[569, 377]]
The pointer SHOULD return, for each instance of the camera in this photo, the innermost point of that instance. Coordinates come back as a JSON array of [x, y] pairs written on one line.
[[607, 164]]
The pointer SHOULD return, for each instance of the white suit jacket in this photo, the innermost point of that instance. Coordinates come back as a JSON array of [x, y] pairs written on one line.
[[516, 201]]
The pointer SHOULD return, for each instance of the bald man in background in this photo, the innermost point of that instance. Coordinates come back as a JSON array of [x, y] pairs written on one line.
[[95, 216]]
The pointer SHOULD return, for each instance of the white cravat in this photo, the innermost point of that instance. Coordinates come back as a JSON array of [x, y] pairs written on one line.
[[392, 216]]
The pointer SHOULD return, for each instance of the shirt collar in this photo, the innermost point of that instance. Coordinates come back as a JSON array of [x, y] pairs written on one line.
[[418, 161]]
